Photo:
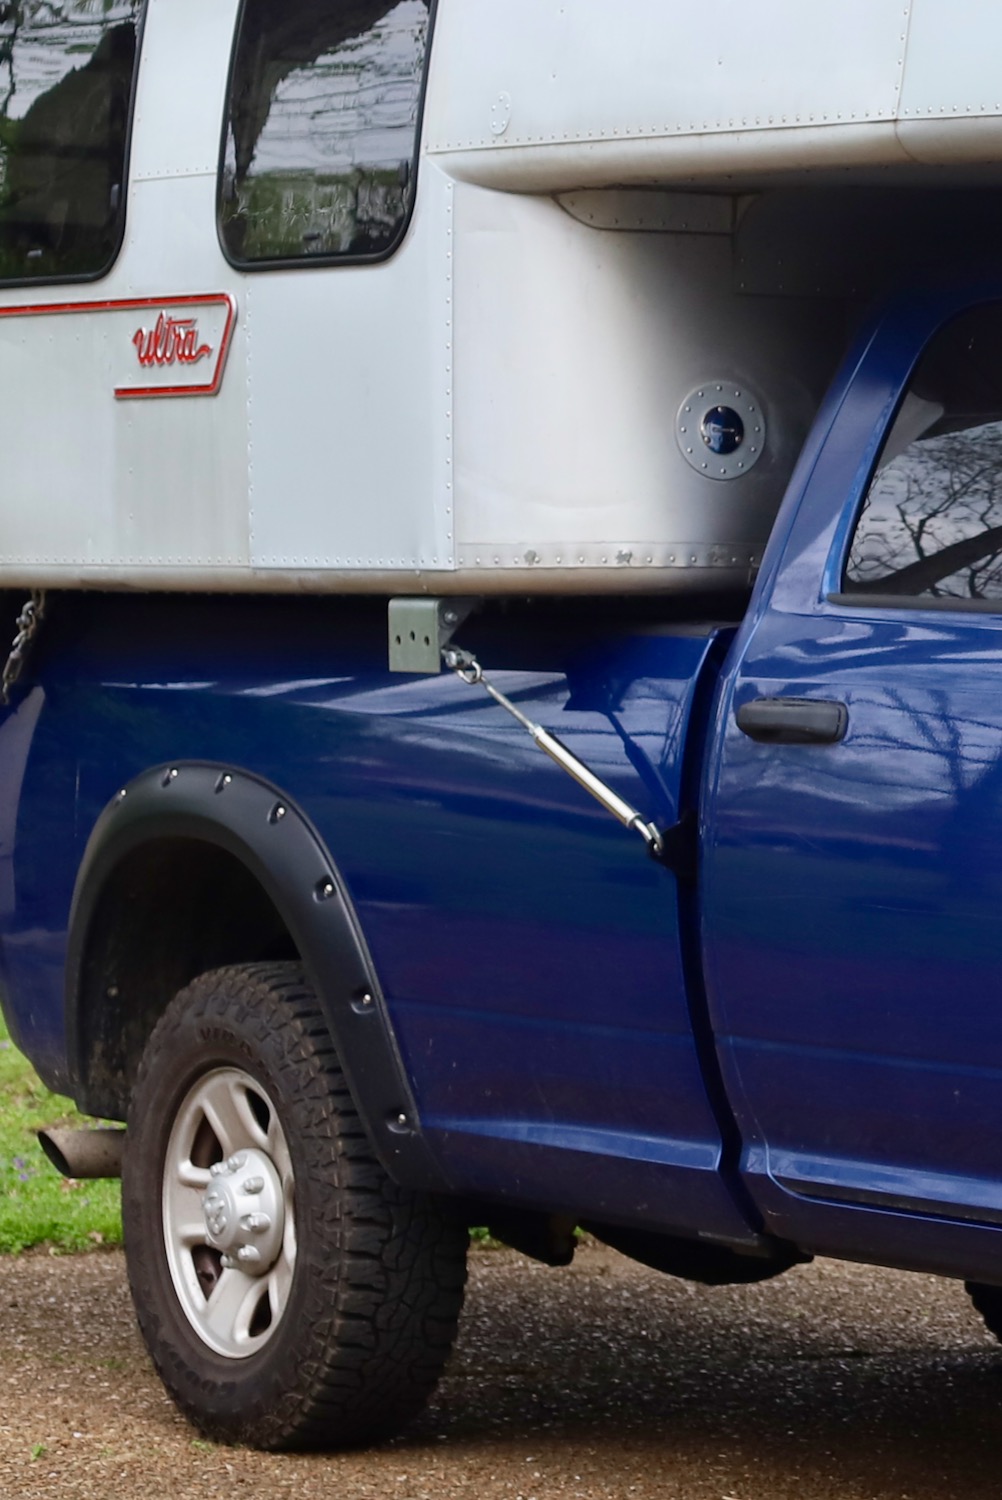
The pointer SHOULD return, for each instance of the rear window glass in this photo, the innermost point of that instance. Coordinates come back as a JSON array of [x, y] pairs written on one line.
[[931, 524], [66, 81], [322, 128]]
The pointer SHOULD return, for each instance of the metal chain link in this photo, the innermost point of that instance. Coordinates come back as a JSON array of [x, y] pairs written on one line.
[[28, 621]]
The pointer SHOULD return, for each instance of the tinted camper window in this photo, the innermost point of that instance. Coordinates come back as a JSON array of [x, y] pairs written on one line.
[[66, 80], [322, 127]]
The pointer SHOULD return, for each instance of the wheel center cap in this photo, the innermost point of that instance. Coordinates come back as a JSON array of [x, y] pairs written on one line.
[[244, 1211]]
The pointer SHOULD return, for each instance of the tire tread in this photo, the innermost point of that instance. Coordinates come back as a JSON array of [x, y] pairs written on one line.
[[387, 1275]]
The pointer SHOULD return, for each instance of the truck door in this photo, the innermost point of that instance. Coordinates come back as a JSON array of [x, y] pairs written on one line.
[[853, 895]]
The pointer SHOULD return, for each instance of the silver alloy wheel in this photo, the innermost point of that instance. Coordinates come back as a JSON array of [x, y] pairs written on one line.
[[335, 1331], [228, 1212]]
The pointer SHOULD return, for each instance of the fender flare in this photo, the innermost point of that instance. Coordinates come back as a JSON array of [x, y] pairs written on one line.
[[273, 839]]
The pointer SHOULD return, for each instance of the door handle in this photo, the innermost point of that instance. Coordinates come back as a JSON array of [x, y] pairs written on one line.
[[793, 721]]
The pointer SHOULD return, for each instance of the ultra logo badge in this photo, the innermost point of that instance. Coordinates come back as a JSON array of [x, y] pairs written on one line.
[[172, 341], [182, 354], [180, 346]]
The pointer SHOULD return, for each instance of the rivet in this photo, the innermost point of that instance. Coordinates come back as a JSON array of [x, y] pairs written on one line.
[[401, 1119]]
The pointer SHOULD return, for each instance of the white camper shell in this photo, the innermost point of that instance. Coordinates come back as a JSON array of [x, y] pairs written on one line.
[[387, 296]]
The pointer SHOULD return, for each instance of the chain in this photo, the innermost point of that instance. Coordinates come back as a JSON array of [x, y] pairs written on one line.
[[469, 670], [28, 621]]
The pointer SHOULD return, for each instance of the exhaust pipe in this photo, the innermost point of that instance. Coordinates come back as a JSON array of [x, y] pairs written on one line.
[[84, 1153]]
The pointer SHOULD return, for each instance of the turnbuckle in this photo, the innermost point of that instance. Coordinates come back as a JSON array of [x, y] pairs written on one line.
[[469, 670]]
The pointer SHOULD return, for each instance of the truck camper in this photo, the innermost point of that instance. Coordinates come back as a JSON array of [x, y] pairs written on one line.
[[442, 780]]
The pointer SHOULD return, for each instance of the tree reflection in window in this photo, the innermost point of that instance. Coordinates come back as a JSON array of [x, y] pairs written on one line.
[[322, 127], [66, 78], [931, 523]]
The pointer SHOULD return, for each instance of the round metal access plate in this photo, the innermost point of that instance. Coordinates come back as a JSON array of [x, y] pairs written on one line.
[[720, 429]]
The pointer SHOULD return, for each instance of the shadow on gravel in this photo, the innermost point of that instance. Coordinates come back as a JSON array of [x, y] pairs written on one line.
[[835, 1380]]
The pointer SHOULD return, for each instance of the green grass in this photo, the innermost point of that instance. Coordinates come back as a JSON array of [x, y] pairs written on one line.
[[37, 1206]]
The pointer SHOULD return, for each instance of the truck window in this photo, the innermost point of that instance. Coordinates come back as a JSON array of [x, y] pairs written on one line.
[[930, 526], [66, 81], [321, 129]]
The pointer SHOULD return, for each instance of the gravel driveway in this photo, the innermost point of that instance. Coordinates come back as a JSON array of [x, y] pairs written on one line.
[[601, 1380]]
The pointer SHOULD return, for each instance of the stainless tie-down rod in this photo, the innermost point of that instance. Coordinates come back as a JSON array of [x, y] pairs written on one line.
[[469, 670]]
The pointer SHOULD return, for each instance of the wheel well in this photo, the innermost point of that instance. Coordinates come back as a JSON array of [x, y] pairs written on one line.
[[171, 909]]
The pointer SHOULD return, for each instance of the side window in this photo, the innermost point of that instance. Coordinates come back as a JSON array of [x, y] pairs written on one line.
[[931, 524], [321, 131], [66, 79]]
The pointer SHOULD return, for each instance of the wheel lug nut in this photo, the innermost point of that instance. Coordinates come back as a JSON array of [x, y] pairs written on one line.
[[217, 1169], [253, 1185], [255, 1223], [248, 1254], [227, 1262], [236, 1162]]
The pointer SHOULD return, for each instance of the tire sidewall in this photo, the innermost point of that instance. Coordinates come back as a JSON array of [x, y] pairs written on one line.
[[235, 1394]]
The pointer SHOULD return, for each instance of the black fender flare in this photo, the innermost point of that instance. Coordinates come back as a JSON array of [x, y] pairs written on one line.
[[263, 828]]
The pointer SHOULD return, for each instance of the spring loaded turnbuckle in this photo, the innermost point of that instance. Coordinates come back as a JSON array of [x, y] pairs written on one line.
[[469, 670]]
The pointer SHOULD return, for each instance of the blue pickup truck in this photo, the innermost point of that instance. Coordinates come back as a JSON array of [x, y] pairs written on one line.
[[361, 967]]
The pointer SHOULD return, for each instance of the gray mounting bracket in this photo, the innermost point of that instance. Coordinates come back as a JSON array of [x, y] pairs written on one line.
[[420, 629]]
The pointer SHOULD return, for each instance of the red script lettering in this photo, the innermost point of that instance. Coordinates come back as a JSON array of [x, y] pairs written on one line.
[[172, 341]]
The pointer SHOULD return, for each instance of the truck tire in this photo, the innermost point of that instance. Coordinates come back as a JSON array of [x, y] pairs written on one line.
[[988, 1302], [290, 1294]]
